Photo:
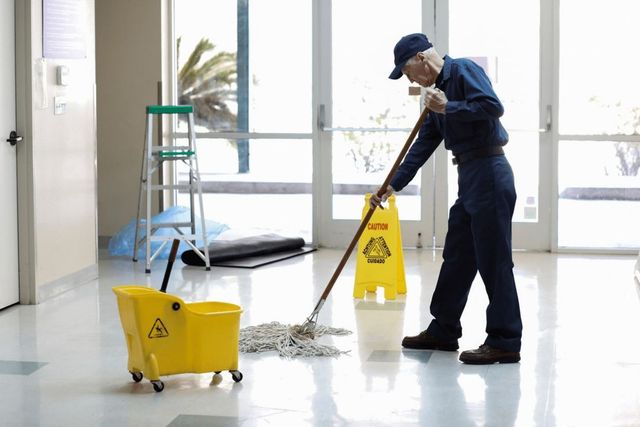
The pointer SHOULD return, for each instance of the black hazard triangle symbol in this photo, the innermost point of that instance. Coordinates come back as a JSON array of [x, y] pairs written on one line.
[[158, 330], [377, 249]]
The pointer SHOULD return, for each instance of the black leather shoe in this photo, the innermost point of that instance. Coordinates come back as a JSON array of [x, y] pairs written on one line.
[[422, 341], [486, 355]]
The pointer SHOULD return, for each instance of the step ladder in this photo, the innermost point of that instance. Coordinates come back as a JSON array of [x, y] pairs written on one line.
[[152, 160]]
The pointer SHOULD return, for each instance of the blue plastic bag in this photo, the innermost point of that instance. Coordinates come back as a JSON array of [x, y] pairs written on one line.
[[122, 243]]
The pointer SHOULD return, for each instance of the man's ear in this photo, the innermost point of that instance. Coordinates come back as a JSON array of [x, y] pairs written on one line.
[[420, 56]]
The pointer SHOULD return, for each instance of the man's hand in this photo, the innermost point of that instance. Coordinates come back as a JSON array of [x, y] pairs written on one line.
[[435, 100], [376, 201]]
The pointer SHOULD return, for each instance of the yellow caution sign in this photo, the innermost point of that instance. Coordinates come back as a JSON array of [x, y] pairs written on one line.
[[380, 259]]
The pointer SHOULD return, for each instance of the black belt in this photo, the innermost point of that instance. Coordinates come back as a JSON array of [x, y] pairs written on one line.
[[494, 150]]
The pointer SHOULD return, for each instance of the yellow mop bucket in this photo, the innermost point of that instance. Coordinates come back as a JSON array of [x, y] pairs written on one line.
[[166, 336]]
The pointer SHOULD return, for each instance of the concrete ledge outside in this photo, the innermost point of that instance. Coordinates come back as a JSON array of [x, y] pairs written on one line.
[[601, 193], [243, 187]]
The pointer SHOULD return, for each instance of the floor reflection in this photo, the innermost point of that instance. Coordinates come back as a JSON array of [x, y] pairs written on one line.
[[567, 302]]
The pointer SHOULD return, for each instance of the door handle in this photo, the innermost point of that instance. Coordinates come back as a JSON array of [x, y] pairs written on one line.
[[320, 119], [548, 123], [14, 138], [548, 120]]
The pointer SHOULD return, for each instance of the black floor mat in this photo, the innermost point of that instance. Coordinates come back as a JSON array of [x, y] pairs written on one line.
[[264, 249], [259, 261]]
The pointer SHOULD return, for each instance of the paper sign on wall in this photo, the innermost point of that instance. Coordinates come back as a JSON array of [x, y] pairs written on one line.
[[64, 29]]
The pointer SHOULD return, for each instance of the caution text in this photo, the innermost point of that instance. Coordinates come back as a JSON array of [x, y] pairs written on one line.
[[377, 226]]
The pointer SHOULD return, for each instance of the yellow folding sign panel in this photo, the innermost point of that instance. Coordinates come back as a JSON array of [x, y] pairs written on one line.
[[380, 259]]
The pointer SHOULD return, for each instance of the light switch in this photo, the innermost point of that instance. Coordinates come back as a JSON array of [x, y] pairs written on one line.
[[59, 105], [62, 75]]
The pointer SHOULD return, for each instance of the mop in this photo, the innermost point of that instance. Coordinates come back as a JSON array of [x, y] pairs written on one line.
[[300, 340]]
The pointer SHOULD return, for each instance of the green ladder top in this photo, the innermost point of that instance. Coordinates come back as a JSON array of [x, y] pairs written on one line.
[[179, 153], [169, 109]]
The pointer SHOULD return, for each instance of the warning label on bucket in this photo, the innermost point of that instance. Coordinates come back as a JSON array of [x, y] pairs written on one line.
[[158, 330]]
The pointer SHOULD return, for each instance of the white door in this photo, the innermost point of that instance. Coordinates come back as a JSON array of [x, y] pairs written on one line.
[[8, 185], [363, 118]]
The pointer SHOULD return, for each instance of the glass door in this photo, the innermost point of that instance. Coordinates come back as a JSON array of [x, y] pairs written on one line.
[[598, 193], [363, 118], [512, 41]]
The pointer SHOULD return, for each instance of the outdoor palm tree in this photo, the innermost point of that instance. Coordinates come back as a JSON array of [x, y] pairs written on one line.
[[209, 86]]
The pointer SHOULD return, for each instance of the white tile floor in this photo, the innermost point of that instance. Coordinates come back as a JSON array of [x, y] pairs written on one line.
[[580, 358]]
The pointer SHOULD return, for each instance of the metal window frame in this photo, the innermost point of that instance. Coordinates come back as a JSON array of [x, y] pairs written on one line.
[[435, 18]]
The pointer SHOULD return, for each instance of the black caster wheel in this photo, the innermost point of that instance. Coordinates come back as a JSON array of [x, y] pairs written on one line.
[[158, 386], [137, 376], [236, 375]]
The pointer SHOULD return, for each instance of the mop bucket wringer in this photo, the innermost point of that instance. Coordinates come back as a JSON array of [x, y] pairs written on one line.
[[165, 335]]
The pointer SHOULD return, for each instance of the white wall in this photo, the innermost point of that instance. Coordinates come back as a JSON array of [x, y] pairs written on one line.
[[129, 67], [57, 164]]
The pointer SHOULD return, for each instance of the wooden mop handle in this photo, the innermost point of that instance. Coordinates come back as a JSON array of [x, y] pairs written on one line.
[[367, 217]]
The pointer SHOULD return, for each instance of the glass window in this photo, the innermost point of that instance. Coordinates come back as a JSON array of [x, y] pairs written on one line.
[[599, 194], [361, 162], [364, 97], [246, 201], [599, 68], [246, 66], [503, 38], [599, 204], [255, 76]]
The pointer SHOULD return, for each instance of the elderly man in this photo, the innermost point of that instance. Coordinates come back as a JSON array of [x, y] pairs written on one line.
[[465, 112]]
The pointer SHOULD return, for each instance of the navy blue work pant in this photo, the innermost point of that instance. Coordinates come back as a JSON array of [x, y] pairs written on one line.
[[479, 239]]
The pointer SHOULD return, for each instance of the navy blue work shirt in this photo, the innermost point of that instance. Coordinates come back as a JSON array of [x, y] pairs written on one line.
[[471, 119]]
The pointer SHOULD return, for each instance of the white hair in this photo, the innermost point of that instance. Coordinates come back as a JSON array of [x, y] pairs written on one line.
[[414, 58]]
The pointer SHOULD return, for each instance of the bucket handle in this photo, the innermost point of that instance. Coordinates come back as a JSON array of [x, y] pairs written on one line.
[[167, 272]]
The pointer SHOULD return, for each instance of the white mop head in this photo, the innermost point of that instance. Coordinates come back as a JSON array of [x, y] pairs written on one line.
[[288, 340]]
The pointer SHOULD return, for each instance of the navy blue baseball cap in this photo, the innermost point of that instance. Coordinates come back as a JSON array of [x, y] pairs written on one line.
[[406, 49]]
